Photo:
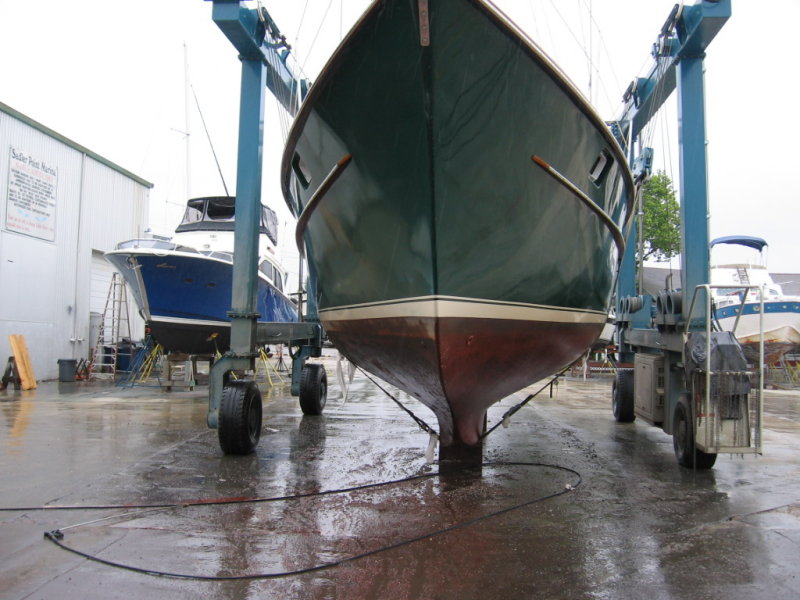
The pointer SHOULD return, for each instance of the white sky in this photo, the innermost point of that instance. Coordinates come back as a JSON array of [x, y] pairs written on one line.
[[110, 76]]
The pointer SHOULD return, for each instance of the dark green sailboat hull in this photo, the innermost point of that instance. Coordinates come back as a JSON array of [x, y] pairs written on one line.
[[446, 261]]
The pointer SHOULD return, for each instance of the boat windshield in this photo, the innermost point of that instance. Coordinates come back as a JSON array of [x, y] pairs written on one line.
[[216, 213], [147, 243], [226, 256], [732, 292]]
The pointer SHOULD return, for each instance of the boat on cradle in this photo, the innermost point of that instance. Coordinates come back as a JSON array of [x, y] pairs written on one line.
[[460, 203], [182, 285], [781, 312]]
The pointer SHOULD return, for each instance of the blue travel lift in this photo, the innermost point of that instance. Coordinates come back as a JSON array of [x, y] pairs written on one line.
[[234, 405], [691, 381], [687, 378]]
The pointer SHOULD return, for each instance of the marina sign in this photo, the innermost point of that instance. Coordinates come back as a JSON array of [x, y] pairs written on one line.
[[31, 197]]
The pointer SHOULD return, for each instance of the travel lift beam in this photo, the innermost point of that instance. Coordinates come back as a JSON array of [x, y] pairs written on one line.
[[687, 379], [234, 406]]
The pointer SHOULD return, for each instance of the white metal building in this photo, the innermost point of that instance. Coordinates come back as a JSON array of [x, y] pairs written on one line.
[[61, 207]]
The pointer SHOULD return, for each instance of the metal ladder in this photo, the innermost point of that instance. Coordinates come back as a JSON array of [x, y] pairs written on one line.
[[114, 328]]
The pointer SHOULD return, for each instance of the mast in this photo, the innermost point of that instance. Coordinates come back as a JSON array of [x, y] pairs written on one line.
[[186, 129]]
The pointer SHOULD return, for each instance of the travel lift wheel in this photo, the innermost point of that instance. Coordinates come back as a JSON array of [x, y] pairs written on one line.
[[683, 439], [313, 389], [622, 397], [239, 426]]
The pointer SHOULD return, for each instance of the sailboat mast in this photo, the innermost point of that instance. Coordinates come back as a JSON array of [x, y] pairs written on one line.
[[187, 185]]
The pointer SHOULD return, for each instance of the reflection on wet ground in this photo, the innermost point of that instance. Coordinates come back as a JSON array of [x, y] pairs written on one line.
[[597, 510]]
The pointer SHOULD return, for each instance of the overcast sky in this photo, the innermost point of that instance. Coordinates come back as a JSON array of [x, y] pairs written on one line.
[[110, 76]]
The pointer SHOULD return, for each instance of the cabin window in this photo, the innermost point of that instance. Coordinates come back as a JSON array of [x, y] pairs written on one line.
[[267, 269], [300, 170], [600, 168]]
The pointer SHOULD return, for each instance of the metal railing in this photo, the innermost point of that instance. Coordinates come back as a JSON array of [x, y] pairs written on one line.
[[724, 421]]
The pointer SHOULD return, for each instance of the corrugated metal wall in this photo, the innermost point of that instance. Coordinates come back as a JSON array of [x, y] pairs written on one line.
[[46, 285], [101, 274]]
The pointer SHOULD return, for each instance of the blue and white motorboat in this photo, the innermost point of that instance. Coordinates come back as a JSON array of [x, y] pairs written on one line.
[[781, 316], [182, 285]]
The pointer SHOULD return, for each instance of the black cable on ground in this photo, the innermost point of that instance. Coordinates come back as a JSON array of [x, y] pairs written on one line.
[[215, 501], [56, 536]]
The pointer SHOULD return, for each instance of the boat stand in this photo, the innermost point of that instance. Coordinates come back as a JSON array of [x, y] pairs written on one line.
[[234, 406], [458, 454]]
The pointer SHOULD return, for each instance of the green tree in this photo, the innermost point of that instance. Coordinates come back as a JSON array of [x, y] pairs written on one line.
[[661, 230]]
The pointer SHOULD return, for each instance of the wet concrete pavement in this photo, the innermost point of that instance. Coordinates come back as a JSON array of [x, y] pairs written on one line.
[[597, 510]]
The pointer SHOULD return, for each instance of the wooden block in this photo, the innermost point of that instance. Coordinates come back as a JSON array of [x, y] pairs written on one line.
[[27, 369], [23, 361]]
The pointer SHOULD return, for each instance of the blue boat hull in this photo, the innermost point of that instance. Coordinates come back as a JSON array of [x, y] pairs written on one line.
[[184, 298]]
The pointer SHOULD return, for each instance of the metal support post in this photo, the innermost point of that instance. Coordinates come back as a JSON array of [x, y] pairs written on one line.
[[248, 208], [248, 214], [263, 52], [693, 180]]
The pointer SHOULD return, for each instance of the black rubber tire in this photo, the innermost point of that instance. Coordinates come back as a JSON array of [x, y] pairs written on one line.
[[622, 397], [239, 425], [683, 440], [313, 389]]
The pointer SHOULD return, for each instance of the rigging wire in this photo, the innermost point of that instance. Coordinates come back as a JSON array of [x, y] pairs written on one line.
[[595, 27], [300, 26], [210, 143], [283, 119], [535, 22], [666, 139], [571, 32], [316, 36], [596, 83], [592, 63], [588, 53]]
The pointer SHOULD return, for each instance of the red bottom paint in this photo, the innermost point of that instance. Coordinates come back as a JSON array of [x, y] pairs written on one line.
[[458, 367]]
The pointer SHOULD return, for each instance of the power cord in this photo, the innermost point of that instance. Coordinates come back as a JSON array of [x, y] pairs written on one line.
[[56, 536]]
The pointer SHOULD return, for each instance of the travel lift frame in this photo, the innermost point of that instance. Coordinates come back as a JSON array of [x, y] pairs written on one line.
[[707, 411], [691, 381], [234, 405]]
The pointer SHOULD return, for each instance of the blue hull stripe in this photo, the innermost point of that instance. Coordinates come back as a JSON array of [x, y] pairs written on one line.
[[754, 308]]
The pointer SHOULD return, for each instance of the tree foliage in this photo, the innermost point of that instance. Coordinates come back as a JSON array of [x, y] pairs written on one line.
[[661, 229]]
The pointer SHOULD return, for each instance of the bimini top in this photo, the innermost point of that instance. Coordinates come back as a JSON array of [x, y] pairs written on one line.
[[750, 241], [216, 213]]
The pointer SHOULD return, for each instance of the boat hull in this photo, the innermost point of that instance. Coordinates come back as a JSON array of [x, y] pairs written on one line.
[[446, 261], [458, 365], [184, 298], [781, 323]]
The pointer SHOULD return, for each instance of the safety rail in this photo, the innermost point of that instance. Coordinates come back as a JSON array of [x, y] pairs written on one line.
[[721, 424]]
